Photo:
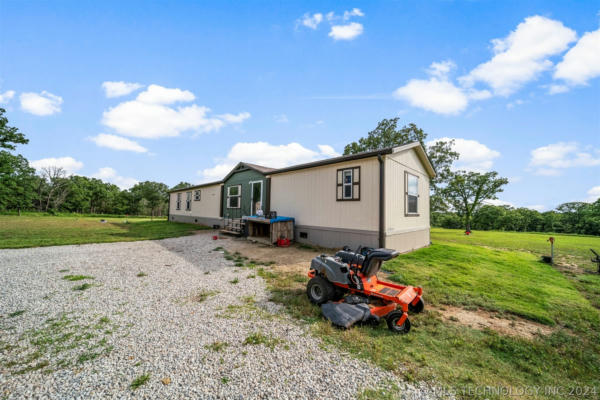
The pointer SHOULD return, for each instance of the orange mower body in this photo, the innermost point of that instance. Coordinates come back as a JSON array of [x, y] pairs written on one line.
[[353, 276]]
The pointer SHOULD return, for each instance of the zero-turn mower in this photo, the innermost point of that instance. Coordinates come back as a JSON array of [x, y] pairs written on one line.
[[348, 291]]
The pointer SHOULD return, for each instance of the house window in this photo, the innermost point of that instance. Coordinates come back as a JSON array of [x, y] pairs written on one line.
[[188, 201], [234, 194], [412, 194], [196, 195], [348, 184], [178, 204]]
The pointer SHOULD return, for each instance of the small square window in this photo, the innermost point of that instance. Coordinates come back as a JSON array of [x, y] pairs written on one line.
[[196, 195]]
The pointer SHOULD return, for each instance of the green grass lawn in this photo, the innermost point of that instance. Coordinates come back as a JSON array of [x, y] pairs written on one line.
[[33, 230], [485, 273], [567, 248]]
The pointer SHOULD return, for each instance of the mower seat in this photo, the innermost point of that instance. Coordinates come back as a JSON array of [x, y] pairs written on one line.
[[374, 259]]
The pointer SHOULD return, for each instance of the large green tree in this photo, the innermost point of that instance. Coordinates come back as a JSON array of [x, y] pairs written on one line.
[[466, 191], [181, 185], [16, 182], [9, 135], [16, 176], [389, 134], [153, 193]]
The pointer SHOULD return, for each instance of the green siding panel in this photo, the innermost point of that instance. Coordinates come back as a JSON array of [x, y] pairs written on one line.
[[243, 178]]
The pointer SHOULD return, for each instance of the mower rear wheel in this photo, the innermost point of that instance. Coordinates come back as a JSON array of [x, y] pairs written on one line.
[[320, 290], [417, 308], [392, 322]]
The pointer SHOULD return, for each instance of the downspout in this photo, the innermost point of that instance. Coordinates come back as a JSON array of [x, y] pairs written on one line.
[[169, 208], [381, 201]]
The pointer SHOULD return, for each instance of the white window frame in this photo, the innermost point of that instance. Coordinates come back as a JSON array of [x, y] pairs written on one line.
[[408, 175], [344, 184], [230, 196], [188, 201], [197, 195], [178, 203], [252, 183]]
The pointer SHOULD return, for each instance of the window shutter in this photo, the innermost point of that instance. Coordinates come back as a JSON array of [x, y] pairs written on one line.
[[356, 175], [339, 188], [356, 191]]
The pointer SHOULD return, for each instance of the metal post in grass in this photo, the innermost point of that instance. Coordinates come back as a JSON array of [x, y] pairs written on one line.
[[551, 240]]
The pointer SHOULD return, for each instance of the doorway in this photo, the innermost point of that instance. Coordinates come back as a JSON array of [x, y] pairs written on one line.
[[256, 198]]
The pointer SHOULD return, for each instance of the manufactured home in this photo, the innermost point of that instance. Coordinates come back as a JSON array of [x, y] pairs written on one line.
[[376, 198]]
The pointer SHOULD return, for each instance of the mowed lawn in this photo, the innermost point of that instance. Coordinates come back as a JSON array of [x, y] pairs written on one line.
[[40, 230], [480, 274], [567, 247]]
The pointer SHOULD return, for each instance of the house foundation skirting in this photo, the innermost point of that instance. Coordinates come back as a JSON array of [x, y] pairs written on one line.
[[335, 237], [408, 240], [190, 219]]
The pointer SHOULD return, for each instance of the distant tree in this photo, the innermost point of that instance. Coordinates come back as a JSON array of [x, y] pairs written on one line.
[[181, 185], [154, 194], [16, 182], [9, 136], [440, 153], [56, 187], [466, 191]]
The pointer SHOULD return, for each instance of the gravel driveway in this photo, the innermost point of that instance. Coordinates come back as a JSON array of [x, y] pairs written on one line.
[[171, 315]]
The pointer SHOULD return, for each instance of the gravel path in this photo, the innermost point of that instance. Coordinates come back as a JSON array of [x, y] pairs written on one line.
[[172, 310]]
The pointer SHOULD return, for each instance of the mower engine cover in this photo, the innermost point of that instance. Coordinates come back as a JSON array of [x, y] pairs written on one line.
[[334, 269], [345, 315]]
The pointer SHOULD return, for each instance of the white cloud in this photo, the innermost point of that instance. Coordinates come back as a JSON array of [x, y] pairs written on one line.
[[6, 96], [156, 94], [474, 156], [235, 118], [108, 174], [555, 89], [436, 94], [69, 164], [120, 88], [118, 143], [593, 194], [149, 116], [328, 150], [355, 12], [311, 21], [497, 202], [265, 154], [281, 118], [441, 69], [346, 32], [582, 61], [551, 159], [515, 103], [537, 207], [42, 104], [522, 55]]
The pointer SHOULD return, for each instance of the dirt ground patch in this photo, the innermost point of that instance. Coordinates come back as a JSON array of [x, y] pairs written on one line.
[[480, 319], [279, 255]]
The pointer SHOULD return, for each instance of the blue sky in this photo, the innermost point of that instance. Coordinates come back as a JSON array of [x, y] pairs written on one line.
[[172, 91]]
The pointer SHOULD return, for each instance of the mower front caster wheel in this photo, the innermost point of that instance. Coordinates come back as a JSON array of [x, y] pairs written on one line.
[[392, 322], [417, 308], [320, 290]]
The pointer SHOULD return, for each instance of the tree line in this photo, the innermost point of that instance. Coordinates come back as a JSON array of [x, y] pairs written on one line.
[[52, 190], [457, 197], [575, 217]]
